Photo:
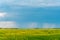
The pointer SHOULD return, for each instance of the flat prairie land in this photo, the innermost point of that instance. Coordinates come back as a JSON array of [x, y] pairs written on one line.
[[29, 34]]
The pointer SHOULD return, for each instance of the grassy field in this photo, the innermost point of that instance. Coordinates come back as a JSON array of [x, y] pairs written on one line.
[[29, 34]]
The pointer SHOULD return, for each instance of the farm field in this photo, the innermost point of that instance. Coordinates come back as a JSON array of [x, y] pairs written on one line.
[[29, 34]]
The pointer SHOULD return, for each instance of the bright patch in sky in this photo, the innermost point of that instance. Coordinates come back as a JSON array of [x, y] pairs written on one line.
[[8, 24], [2, 14], [32, 25], [49, 25]]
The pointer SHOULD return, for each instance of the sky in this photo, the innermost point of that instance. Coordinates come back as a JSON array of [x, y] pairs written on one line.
[[29, 13]]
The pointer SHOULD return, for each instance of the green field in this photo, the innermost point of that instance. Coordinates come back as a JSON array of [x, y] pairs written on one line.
[[29, 34]]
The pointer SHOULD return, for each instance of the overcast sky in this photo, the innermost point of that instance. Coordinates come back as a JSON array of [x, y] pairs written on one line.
[[29, 13]]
